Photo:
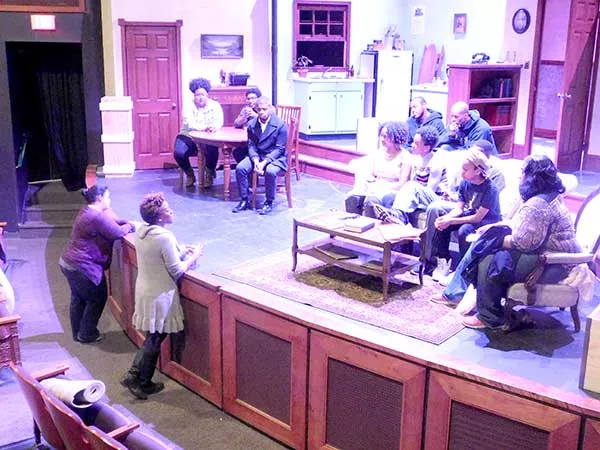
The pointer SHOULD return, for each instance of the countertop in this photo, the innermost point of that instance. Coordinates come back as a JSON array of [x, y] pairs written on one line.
[[331, 80]]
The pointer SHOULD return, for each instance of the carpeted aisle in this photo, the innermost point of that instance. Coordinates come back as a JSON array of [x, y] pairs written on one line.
[[408, 310]]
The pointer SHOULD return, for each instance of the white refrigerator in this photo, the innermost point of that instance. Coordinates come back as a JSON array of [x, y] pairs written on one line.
[[388, 97]]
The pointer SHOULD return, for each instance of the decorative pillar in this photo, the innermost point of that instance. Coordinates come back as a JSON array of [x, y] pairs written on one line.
[[117, 136]]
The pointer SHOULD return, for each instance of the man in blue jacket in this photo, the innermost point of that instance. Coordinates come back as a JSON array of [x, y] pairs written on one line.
[[465, 128], [421, 115], [267, 137]]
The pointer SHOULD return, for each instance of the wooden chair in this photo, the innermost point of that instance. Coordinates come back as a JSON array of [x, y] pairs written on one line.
[[9, 338], [287, 113], [292, 127], [43, 425], [136, 440], [71, 427]]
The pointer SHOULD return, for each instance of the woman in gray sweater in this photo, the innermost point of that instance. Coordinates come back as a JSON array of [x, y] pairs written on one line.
[[158, 312]]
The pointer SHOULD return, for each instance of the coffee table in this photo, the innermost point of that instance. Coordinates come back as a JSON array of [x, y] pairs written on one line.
[[368, 253]]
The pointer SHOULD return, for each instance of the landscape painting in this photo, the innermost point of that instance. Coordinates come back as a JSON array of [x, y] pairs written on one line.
[[222, 46]]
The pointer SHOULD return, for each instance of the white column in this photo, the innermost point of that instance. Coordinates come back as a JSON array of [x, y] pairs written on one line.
[[117, 136]]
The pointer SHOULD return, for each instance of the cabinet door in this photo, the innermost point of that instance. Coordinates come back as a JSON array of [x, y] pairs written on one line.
[[321, 112], [463, 414], [361, 398], [349, 109], [265, 371]]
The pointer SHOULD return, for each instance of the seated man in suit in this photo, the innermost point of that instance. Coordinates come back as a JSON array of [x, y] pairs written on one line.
[[421, 115], [465, 128], [267, 138]]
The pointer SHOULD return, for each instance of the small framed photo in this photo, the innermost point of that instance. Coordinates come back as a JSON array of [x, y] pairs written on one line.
[[460, 24], [221, 46], [521, 21]]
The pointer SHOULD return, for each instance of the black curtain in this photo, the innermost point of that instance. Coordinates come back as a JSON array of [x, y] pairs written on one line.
[[60, 84]]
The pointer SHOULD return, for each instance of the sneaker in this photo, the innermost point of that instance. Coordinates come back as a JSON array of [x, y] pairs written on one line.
[[441, 300], [468, 304], [389, 215], [442, 270], [445, 281], [99, 338]]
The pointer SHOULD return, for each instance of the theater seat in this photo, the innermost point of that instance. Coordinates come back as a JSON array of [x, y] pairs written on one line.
[[43, 425], [71, 426], [135, 440]]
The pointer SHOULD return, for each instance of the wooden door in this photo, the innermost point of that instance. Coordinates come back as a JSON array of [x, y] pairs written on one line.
[[574, 104], [152, 77]]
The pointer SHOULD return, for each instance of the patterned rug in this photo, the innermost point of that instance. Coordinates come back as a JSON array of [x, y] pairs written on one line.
[[408, 310]]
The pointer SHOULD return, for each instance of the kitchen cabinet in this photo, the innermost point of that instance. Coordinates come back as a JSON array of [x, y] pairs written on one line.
[[329, 106]]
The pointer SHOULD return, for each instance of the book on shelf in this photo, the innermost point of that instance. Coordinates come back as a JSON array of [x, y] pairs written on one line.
[[360, 224], [336, 252]]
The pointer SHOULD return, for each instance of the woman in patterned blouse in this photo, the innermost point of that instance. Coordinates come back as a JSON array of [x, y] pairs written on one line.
[[542, 224]]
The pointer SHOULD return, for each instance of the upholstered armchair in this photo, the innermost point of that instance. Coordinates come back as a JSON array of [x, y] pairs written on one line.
[[563, 295]]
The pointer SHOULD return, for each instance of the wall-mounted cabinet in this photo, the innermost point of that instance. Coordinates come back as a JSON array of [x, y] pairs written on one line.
[[493, 90], [329, 106]]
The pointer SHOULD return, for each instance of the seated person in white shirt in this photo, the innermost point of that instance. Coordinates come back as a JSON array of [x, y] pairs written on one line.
[[428, 179], [380, 174], [204, 114]]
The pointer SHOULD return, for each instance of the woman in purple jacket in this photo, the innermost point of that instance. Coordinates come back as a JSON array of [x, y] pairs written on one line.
[[87, 256]]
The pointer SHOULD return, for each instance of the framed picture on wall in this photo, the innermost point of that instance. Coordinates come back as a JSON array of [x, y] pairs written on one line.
[[521, 21], [460, 24], [221, 46]]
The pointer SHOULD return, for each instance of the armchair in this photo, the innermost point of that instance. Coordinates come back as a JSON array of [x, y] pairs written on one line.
[[560, 295]]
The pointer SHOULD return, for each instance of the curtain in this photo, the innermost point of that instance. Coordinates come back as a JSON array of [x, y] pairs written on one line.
[[63, 108]]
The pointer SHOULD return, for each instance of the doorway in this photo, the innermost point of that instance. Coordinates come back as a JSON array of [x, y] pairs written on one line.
[[48, 113]]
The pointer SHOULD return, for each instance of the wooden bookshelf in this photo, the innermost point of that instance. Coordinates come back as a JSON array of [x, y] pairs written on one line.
[[493, 90]]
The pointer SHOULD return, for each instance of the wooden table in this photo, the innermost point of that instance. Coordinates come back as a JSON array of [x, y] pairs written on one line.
[[366, 246], [226, 139]]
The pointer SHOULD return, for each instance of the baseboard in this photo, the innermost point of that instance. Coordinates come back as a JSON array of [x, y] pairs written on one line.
[[544, 133]]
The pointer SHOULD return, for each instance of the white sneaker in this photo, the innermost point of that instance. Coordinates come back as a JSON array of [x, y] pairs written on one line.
[[468, 304], [445, 281], [442, 269]]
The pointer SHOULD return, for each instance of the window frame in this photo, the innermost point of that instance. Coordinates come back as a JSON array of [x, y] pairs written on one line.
[[331, 6]]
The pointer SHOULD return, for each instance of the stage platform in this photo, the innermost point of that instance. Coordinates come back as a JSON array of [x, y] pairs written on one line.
[[540, 366]]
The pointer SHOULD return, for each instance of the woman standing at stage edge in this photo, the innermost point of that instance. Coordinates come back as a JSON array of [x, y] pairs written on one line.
[[87, 256], [158, 312]]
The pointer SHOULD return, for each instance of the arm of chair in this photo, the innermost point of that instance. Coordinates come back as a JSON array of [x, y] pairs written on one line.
[[568, 258], [49, 373], [124, 430], [9, 319]]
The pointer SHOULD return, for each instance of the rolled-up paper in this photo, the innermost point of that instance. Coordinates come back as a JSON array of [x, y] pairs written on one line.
[[76, 393]]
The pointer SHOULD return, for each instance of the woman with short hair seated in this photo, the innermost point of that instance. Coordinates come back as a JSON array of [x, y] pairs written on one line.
[[380, 174], [542, 224]]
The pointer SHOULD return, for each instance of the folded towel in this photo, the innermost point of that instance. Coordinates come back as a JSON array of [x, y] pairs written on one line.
[[582, 278], [76, 393]]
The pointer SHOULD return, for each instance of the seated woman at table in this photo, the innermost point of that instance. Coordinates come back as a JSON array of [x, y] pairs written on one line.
[[380, 174], [241, 121], [203, 114], [542, 224]]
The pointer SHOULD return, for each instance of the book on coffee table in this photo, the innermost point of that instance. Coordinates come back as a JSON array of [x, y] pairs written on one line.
[[360, 224]]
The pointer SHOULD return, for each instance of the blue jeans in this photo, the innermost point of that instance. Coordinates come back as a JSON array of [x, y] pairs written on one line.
[[457, 287], [87, 304]]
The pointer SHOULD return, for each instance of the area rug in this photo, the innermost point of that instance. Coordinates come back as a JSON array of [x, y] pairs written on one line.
[[407, 311]]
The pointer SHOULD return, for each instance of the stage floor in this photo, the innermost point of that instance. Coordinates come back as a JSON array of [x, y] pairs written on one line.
[[550, 355]]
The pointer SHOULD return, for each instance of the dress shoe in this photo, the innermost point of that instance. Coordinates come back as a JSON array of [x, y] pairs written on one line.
[[266, 208], [241, 206], [128, 380], [90, 341], [142, 391]]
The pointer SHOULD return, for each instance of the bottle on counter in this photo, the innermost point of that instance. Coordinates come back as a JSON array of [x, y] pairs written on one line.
[[351, 72]]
